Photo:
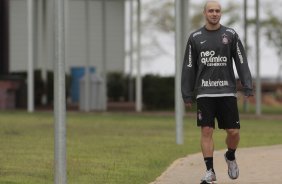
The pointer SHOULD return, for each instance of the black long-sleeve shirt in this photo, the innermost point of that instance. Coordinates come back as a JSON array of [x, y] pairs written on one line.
[[208, 64]]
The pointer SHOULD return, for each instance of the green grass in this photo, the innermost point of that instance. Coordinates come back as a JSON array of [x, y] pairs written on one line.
[[107, 148], [265, 109]]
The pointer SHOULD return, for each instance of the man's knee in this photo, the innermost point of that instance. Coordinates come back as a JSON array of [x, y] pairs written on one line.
[[207, 131], [233, 132]]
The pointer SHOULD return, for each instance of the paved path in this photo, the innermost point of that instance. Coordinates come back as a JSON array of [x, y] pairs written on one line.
[[261, 165]]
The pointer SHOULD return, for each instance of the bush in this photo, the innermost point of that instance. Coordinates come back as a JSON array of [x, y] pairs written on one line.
[[158, 92], [116, 84]]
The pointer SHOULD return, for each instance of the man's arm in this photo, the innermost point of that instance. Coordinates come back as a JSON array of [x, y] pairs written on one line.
[[188, 73], [242, 67]]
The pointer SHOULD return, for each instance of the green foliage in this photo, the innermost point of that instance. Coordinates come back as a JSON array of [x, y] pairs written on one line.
[[162, 17], [116, 84], [41, 87], [271, 27], [273, 31], [159, 19], [158, 92]]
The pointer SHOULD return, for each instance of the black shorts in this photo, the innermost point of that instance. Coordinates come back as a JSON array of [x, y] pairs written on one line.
[[224, 109]]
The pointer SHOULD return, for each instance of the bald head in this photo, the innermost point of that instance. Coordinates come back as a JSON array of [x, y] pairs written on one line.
[[211, 2]]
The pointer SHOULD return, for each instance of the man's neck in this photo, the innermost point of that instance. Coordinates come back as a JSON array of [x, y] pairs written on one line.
[[212, 27]]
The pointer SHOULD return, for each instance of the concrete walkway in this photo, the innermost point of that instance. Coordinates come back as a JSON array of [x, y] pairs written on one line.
[[257, 165]]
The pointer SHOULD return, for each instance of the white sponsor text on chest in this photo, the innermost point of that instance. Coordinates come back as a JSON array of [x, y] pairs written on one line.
[[208, 58]]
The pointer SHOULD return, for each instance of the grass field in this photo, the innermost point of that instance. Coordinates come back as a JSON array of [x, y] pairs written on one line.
[[107, 148]]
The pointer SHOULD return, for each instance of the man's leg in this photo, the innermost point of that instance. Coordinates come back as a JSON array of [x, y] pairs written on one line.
[[205, 119], [228, 119], [207, 146], [207, 141], [207, 150], [232, 141], [232, 138]]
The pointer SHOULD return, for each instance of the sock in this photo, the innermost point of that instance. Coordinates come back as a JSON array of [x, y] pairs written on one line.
[[209, 163], [230, 154]]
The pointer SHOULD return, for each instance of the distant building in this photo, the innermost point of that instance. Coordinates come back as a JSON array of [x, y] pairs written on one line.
[[105, 42], [95, 35]]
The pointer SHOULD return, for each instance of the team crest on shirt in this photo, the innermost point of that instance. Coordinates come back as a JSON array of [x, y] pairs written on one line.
[[225, 39]]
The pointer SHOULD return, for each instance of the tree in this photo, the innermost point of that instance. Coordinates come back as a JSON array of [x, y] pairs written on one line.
[[271, 27], [273, 32], [159, 20]]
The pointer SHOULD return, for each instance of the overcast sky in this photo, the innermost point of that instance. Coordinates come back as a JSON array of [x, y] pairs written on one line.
[[164, 64]]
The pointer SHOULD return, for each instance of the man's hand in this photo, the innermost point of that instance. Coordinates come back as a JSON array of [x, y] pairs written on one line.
[[246, 98]]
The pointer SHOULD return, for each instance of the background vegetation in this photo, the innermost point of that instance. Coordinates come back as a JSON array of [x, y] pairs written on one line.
[[108, 148]]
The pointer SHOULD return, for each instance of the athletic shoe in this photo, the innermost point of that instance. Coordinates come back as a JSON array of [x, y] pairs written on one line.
[[209, 178], [233, 170]]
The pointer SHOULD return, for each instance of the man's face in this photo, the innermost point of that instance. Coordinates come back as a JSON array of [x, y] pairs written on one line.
[[212, 13]]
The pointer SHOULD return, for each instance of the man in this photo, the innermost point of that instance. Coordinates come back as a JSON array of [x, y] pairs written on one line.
[[208, 73]]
